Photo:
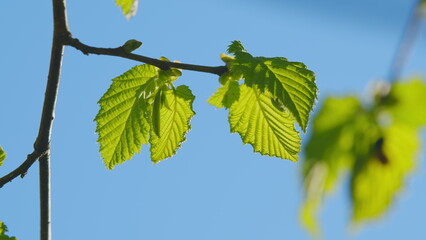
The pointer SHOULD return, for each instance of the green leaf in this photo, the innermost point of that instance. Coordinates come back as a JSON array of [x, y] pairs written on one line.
[[269, 130], [329, 152], [123, 121], [226, 95], [407, 106], [156, 112], [377, 180], [376, 144], [236, 47], [2, 156], [129, 7], [173, 123], [291, 83], [131, 45], [135, 111], [3, 231]]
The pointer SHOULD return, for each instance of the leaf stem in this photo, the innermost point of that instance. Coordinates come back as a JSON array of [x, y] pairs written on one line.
[[120, 52]]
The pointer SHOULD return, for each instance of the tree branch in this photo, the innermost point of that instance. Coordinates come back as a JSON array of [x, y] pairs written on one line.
[[119, 52], [22, 169]]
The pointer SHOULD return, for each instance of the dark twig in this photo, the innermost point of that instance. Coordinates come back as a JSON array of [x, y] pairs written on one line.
[[22, 169], [119, 52]]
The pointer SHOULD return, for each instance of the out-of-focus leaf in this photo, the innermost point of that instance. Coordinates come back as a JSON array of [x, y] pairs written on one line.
[[407, 102], [329, 152], [128, 7], [377, 180], [375, 144]]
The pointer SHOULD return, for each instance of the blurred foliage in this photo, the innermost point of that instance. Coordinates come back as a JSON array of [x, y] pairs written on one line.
[[3, 230], [128, 7], [374, 143]]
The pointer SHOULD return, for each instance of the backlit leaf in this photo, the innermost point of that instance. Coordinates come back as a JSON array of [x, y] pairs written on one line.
[[2, 156], [269, 130], [128, 7], [173, 124], [226, 95], [136, 110], [123, 121], [291, 83]]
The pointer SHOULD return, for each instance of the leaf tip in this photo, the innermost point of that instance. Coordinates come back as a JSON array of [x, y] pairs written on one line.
[[236, 47]]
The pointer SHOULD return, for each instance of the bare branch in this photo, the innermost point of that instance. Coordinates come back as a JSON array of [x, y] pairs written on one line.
[[119, 52], [22, 169]]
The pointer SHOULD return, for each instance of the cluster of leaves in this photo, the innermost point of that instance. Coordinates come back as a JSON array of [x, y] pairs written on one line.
[[3, 230], [375, 144], [143, 106]]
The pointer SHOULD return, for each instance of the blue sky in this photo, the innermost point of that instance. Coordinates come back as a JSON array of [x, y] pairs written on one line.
[[215, 187]]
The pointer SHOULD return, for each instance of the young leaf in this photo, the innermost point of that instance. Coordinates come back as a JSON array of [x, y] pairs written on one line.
[[226, 95], [131, 45], [291, 83], [236, 47], [269, 130], [156, 112], [129, 7], [123, 121], [137, 109], [173, 123], [2, 156]]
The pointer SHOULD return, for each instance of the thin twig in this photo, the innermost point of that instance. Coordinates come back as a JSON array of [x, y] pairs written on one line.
[[22, 169], [406, 43], [119, 52]]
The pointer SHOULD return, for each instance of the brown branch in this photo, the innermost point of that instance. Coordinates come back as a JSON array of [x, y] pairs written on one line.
[[119, 52]]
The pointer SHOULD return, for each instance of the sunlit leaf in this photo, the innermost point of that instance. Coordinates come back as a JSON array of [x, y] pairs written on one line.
[[269, 130], [135, 111], [173, 123], [2, 156], [226, 95], [128, 7], [123, 121], [291, 83]]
